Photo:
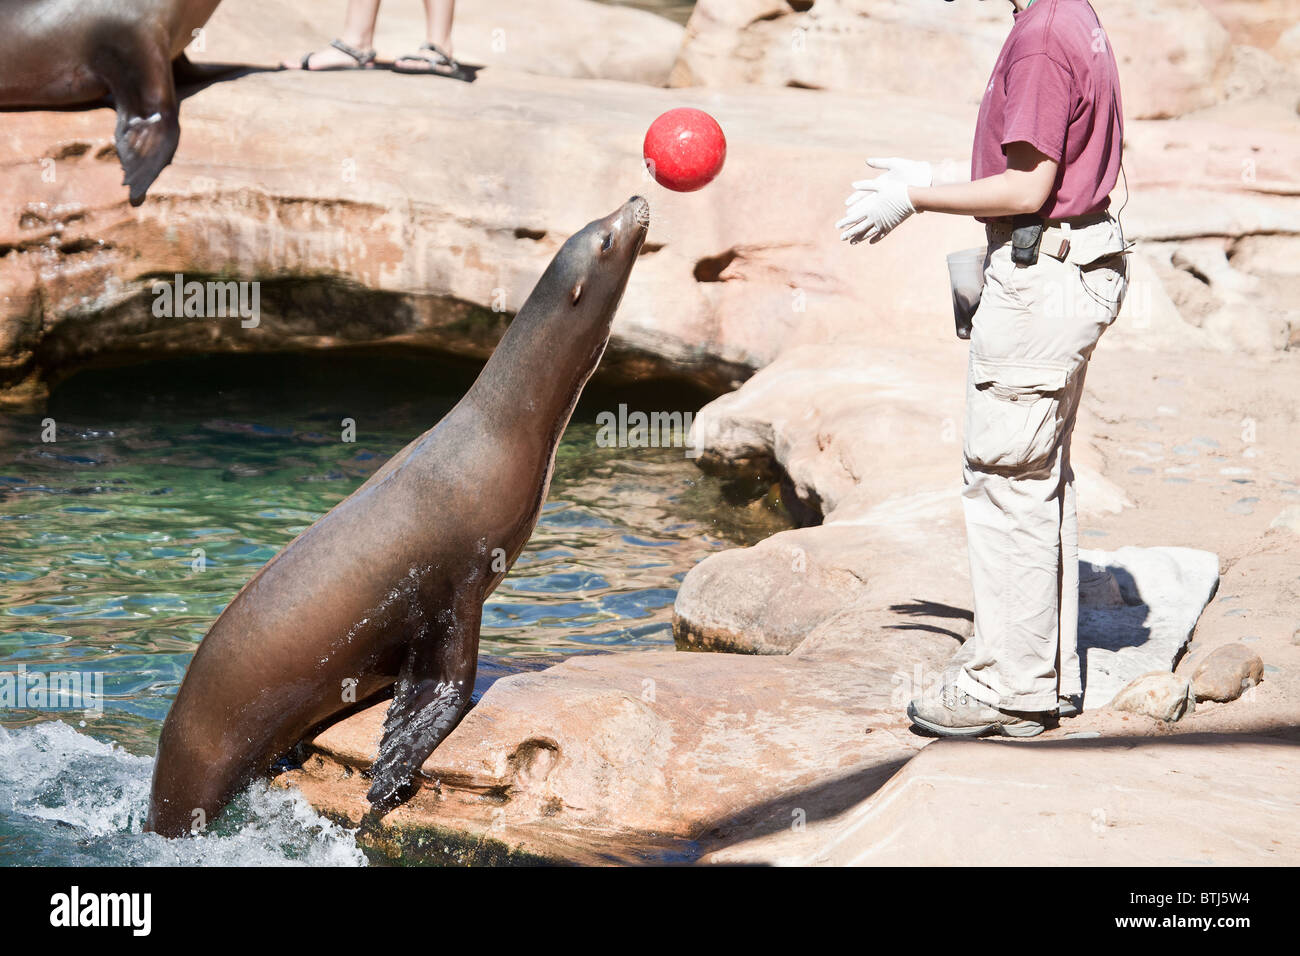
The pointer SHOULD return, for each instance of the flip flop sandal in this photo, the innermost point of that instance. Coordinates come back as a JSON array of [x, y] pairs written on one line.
[[440, 62], [365, 59]]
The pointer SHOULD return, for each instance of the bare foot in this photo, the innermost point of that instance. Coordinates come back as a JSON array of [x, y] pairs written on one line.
[[329, 58]]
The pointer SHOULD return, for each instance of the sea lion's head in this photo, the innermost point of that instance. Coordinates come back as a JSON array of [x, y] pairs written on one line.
[[598, 259], [563, 328], [585, 281]]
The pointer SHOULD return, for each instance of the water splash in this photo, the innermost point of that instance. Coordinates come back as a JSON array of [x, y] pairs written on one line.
[[65, 789], [169, 487]]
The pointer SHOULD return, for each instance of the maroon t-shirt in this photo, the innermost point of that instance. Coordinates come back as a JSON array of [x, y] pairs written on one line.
[[1056, 87]]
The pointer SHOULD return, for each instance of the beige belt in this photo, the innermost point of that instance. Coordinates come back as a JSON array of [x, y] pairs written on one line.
[[1056, 233]]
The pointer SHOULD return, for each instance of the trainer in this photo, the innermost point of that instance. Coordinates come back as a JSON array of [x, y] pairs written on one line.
[[1046, 157]]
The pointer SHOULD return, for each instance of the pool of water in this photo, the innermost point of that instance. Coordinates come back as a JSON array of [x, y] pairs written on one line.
[[166, 487]]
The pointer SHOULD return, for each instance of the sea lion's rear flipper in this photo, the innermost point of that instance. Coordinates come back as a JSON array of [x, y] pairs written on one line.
[[430, 695], [145, 145], [148, 126]]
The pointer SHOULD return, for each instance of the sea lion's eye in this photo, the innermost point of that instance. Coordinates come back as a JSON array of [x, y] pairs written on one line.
[[608, 243]]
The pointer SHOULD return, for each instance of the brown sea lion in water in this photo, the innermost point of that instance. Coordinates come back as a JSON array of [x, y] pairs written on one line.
[[387, 589]]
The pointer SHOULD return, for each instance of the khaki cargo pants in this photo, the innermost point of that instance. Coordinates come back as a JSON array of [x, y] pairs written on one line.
[[1033, 334]]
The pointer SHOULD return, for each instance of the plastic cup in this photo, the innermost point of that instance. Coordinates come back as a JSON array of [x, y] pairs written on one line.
[[966, 275]]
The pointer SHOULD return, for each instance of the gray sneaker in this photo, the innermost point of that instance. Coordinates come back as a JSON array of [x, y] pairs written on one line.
[[1065, 707], [949, 712]]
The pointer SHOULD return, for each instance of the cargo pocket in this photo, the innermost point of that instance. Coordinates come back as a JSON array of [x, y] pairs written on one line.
[[1013, 414], [1106, 282]]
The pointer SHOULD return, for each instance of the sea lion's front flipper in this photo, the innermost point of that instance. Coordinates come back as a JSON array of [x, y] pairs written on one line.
[[431, 693], [148, 125]]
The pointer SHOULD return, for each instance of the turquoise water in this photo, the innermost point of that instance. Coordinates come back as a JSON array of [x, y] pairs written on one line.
[[168, 486]]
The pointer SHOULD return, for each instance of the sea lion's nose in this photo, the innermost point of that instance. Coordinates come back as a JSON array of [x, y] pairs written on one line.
[[640, 210]]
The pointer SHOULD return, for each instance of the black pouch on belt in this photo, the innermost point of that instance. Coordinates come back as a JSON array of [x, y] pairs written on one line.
[[1026, 238]]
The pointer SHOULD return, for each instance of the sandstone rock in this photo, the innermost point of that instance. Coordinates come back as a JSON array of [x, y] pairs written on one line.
[[1174, 55], [1174, 213], [860, 437], [751, 600], [1232, 306], [639, 756], [1164, 591], [1257, 23], [1218, 293], [1097, 494], [1152, 317], [765, 599], [1142, 616], [1208, 259], [1257, 75], [1206, 799], [1159, 694], [1288, 47], [1188, 179], [848, 425], [1226, 673], [791, 592], [376, 245], [1288, 519], [1227, 189], [856, 435], [865, 45], [1267, 255]]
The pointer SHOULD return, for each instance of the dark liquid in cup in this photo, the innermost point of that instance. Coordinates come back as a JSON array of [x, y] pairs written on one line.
[[963, 311]]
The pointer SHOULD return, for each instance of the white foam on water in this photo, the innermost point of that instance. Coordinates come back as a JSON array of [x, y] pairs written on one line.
[[71, 799]]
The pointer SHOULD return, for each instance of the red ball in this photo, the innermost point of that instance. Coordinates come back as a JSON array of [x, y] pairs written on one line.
[[684, 149]]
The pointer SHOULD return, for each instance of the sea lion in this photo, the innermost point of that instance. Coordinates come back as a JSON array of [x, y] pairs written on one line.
[[387, 589], [67, 52]]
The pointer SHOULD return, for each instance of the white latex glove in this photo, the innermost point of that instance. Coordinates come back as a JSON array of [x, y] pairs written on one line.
[[910, 172], [877, 206], [914, 172], [883, 206]]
